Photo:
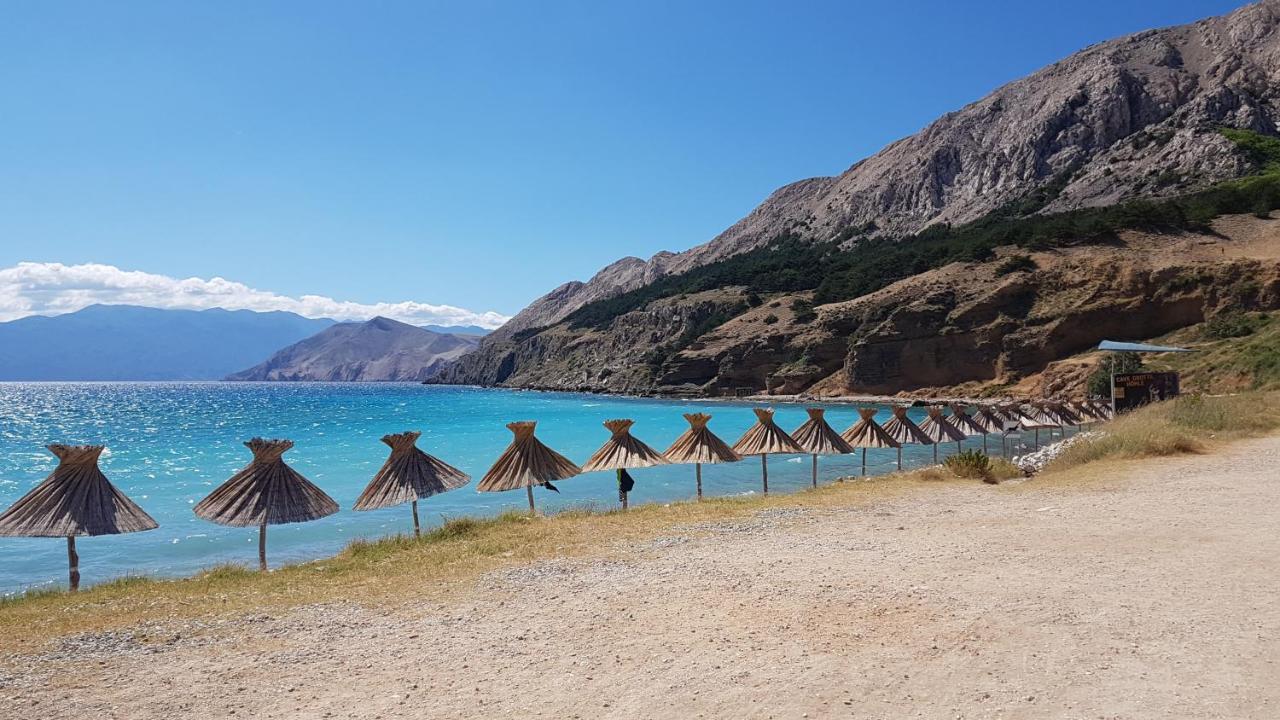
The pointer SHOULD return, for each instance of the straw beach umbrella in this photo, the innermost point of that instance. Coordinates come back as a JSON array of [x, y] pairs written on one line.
[[525, 463], [763, 438], [867, 433], [940, 430], [76, 499], [698, 445], [266, 492], [901, 428], [409, 475], [1035, 418], [966, 424], [621, 452], [1087, 412], [819, 438]]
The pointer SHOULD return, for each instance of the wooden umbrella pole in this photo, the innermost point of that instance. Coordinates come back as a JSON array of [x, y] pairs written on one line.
[[764, 471], [864, 462], [532, 509], [984, 443], [697, 472], [622, 493], [262, 546], [417, 529], [73, 563], [815, 470], [935, 452]]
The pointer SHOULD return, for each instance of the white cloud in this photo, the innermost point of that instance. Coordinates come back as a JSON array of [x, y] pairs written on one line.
[[30, 288]]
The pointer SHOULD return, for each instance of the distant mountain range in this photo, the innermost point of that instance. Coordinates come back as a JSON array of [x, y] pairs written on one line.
[[127, 342], [379, 349]]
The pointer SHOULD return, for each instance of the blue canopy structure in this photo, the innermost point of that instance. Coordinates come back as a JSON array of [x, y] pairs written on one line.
[[1113, 346]]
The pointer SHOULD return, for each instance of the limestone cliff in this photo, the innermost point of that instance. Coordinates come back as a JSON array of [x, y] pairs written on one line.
[[1138, 116]]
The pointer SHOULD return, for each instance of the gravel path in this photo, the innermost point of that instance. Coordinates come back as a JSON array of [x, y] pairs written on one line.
[[1150, 592]]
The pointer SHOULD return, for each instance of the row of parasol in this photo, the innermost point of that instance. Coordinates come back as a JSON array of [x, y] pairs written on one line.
[[78, 500]]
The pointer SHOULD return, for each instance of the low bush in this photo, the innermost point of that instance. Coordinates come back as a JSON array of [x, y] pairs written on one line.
[[1015, 263], [1180, 426], [970, 464]]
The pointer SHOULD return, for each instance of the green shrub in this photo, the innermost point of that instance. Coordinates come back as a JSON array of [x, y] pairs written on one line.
[[803, 310], [770, 319], [1016, 263], [1232, 325], [970, 464], [1099, 383]]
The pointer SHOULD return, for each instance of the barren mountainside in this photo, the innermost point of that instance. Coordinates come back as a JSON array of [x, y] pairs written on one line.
[[379, 349], [1136, 117]]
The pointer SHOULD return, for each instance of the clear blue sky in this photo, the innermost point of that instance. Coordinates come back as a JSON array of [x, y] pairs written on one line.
[[472, 153]]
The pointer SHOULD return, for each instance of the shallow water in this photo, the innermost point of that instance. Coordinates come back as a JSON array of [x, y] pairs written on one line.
[[170, 444]]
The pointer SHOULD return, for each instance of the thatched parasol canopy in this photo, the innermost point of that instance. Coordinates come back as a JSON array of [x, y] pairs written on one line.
[[964, 422], [1065, 414], [819, 438], [76, 499], [408, 475], [526, 463], [1035, 417], [623, 450], [766, 438], [939, 428], [698, 445], [867, 433], [266, 492], [1087, 412], [902, 429], [990, 419]]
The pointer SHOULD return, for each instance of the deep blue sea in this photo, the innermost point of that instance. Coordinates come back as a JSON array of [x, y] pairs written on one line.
[[170, 444]]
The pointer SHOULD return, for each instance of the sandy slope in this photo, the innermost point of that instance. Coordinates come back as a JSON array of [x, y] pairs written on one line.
[[1151, 591]]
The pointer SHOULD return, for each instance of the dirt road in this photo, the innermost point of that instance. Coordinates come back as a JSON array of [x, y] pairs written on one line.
[[1149, 591]]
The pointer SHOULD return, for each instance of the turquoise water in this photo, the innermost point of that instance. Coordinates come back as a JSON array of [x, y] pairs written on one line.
[[170, 444]]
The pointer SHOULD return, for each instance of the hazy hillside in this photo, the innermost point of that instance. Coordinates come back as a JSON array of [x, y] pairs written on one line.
[[380, 349], [124, 342]]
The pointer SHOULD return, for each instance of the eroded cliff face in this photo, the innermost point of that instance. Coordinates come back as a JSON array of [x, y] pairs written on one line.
[[963, 323], [1131, 117], [1139, 116]]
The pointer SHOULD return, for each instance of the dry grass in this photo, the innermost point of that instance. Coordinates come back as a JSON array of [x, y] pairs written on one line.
[[448, 560], [443, 562], [1189, 424]]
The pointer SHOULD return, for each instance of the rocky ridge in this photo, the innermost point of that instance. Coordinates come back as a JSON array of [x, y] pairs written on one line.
[[1139, 116]]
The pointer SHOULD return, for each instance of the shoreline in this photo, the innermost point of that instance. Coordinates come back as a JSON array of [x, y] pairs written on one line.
[[698, 600]]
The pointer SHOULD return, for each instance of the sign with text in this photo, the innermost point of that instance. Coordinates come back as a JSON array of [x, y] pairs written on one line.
[[1133, 390]]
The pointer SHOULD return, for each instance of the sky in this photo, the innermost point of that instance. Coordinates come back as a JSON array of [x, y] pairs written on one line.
[[353, 157]]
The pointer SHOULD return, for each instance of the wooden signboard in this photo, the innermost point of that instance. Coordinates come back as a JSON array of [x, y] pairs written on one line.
[[1133, 390]]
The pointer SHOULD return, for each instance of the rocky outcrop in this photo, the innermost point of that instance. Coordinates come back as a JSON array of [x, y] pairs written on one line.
[[1132, 117], [1139, 116], [379, 349], [963, 323]]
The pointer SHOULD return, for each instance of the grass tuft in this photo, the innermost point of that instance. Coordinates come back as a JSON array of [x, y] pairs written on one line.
[[1185, 425]]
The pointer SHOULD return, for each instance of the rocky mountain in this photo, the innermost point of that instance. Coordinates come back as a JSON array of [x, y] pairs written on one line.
[[1136, 117], [379, 349], [125, 342]]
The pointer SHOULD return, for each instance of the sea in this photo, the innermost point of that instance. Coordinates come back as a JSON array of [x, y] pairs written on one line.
[[169, 444]]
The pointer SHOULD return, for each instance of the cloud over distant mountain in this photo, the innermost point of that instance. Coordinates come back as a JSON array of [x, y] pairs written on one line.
[[31, 288]]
